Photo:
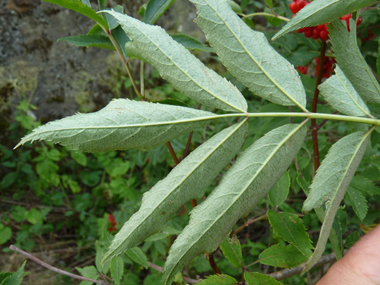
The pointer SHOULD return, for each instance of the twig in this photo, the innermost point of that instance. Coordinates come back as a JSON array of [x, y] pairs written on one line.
[[48, 266], [314, 130], [211, 261], [186, 279], [267, 14], [172, 153], [286, 273], [189, 139], [125, 61], [250, 222]]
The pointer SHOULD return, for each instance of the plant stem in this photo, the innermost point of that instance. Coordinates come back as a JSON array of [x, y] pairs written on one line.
[[267, 14], [171, 150], [142, 82], [286, 273], [250, 222], [48, 266], [189, 139], [314, 129], [211, 261], [125, 61]]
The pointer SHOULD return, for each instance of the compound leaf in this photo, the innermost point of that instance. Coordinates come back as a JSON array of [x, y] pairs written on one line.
[[282, 256], [188, 180], [244, 185], [248, 55], [352, 62], [320, 12], [340, 94], [290, 227], [81, 8], [89, 41], [155, 9], [123, 124], [177, 65], [331, 181]]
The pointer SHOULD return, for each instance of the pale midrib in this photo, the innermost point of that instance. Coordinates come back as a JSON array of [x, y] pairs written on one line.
[[247, 185], [332, 209], [188, 75], [355, 102], [254, 60], [185, 177]]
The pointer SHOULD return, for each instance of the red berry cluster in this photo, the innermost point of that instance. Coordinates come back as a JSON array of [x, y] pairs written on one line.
[[112, 223], [302, 69], [320, 31], [327, 66]]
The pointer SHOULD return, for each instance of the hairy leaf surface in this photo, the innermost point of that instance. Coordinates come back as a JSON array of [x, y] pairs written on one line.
[[123, 124], [190, 42], [248, 55], [320, 12], [177, 65], [244, 185], [89, 41], [188, 180], [340, 94], [352, 62], [81, 8], [358, 202], [331, 181]]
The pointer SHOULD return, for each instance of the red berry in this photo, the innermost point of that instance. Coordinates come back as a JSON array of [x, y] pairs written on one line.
[[302, 69], [315, 34], [308, 32], [293, 7], [301, 4], [324, 35], [359, 21]]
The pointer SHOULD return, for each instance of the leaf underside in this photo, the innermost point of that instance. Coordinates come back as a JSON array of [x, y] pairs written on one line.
[[123, 124], [248, 55], [356, 69], [320, 12], [331, 181], [188, 180], [181, 68], [340, 94], [244, 185]]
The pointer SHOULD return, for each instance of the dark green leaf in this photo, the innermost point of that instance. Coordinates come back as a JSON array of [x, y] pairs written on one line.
[[279, 192], [282, 256], [155, 9], [259, 279], [235, 7], [89, 41], [269, 3], [117, 268], [5, 233], [79, 157], [81, 8], [352, 239], [8, 180], [137, 255], [16, 278], [218, 280], [290, 227], [231, 249], [358, 202], [190, 42], [121, 39], [89, 272]]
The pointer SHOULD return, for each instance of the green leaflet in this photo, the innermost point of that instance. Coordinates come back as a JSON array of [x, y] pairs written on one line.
[[290, 227], [231, 249], [279, 192], [137, 255], [248, 55], [358, 202], [188, 180], [218, 279], [117, 268], [123, 124], [190, 42], [282, 256], [244, 185], [177, 65], [81, 8], [352, 62], [89, 41], [253, 278], [320, 12], [331, 181], [340, 94], [155, 9]]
